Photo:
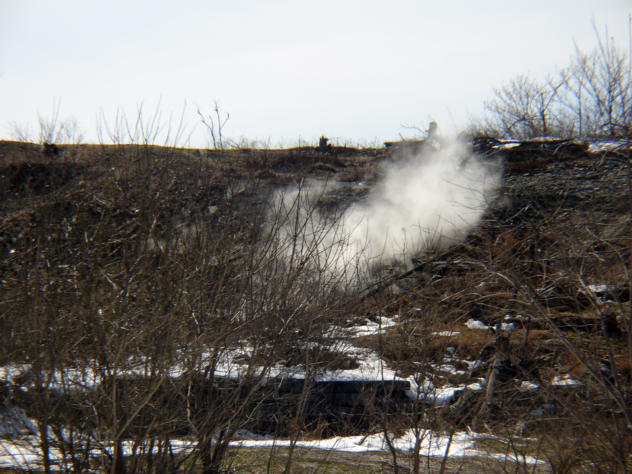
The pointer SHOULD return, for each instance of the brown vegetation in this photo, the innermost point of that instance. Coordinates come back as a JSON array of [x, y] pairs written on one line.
[[122, 262]]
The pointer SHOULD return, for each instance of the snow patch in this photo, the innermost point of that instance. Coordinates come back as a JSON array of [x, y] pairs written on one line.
[[446, 333], [371, 328], [476, 324], [563, 381], [26, 454], [607, 145], [526, 386]]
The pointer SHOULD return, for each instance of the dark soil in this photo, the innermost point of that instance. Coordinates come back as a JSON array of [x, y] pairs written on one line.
[[560, 223]]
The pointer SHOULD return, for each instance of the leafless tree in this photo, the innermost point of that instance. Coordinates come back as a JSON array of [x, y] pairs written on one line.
[[590, 98]]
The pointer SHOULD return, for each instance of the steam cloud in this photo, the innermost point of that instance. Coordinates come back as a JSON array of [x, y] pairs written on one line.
[[424, 201]]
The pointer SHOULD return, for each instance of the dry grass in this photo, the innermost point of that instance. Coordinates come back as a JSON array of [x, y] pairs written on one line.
[[80, 227]]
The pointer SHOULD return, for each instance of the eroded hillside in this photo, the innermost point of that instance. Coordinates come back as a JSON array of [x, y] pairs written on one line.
[[171, 286]]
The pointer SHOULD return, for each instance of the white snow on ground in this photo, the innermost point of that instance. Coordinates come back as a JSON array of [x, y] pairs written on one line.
[[438, 395], [371, 328], [504, 144], [462, 444], [526, 386], [233, 365], [10, 371], [476, 324], [448, 368], [446, 333], [566, 380], [66, 379], [371, 368], [544, 139], [22, 454], [594, 146], [445, 395], [607, 145], [26, 454]]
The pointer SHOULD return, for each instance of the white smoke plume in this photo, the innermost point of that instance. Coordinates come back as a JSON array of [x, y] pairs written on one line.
[[424, 201]]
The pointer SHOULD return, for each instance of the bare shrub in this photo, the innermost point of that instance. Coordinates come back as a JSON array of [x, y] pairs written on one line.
[[590, 98], [215, 128], [522, 109], [597, 90], [52, 130], [143, 309], [569, 282]]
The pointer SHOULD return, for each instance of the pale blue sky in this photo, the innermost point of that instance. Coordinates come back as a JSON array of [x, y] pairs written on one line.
[[355, 70]]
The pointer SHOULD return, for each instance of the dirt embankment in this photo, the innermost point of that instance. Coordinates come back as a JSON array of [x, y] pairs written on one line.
[[550, 260]]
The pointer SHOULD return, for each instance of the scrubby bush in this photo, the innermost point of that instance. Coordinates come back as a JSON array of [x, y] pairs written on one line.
[[592, 97]]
